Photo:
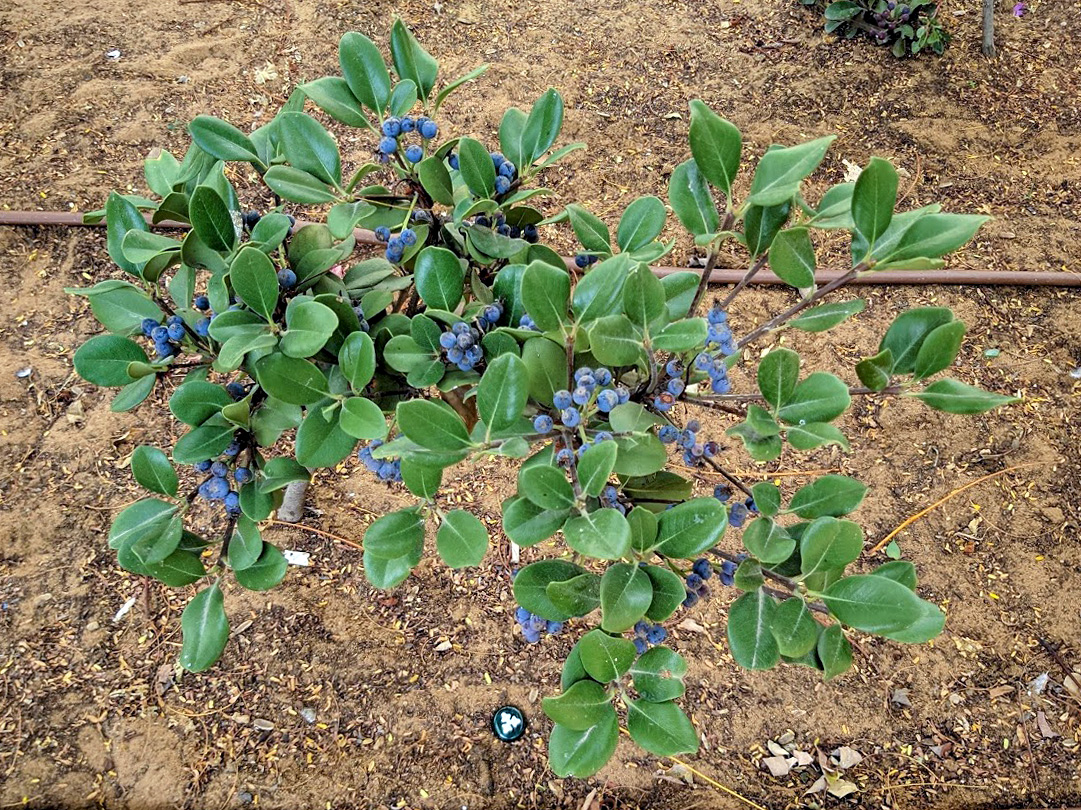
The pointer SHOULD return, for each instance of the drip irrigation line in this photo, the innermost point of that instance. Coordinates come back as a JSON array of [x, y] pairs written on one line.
[[946, 276]]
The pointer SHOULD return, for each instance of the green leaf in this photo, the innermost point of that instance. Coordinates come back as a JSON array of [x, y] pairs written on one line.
[[577, 596], [875, 372], [321, 442], [668, 591], [411, 61], [494, 244], [439, 277], [835, 208], [133, 394], [768, 541], [873, 604], [815, 434], [603, 534], [640, 455], [781, 170], [334, 97], [546, 486], [545, 291], [206, 441], [580, 707], [792, 258], [692, 527], [527, 524], [643, 296], [590, 230], [908, 332], [691, 200], [600, 292], [205, 628], [834, 651], [582, 753], [899, 571], [222, 141], [211, 219], [626, 593], [291, 379], [595, 467], [605, 658], [873, 199], [767, 498], [749, 637], [362, 419], [541, 127], [615, 341], [830, 495], [761, 224], [716, 145], [255, 281], [423, 480], [777, 375], [454, 85], [246, 545], [476, 167], [935, 235], [178, 569], [356, 359], [531, 587], [432, 425], [641, 223], [279, 472], [939, 349], [821, 397], [661, 728], [310, 325], [511, 131], [435, 178], [502, 393], [153, 470], [365, 71], [143, 521], [196, 401], [681, 335], [298, 186], [309, 147], [953, 396], [266, 572], [462, 539], [658, 675], [829, 544], [794, 628], [140, 247], [396, 534], [119, 306], [104, 360], [121, 216], [827, 316], [679, 290]]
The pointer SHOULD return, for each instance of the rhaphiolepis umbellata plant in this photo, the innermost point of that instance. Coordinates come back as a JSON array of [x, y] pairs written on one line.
[[468, 337], [908, 27]]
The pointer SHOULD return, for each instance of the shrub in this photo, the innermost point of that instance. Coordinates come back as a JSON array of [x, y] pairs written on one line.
[[906, 27], [472, 338]]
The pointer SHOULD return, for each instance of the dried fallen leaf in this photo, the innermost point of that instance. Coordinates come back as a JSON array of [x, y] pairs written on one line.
[[900, 697], [841, 788], [692, 626], [778, 766], [848, 757], [802, 758], [817, 787], [1046, 730]]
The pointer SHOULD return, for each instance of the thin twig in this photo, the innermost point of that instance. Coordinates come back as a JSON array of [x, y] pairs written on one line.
[[759, 263]]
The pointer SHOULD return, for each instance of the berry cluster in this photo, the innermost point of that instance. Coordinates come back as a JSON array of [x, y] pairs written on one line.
[[385, 469], [167, 337], [646, 634], [533, 625], [887, 21], [216, 486], [687, 439], [396, 244], [395, 128], [461, 343], [202, 326], [738, 511], [720, 334], [526, 322], [498, 223], [592, 388]]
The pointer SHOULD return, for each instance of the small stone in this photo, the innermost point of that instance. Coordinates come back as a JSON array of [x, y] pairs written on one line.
[[23, 373], [262, 725], [308, 714], [92, 625], [443, 646], [244, 797]]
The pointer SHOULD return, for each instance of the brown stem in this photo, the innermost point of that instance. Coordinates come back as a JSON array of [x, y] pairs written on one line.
[[818, 295], [466, 410], [728, 476], [759, 263], [703, 283]]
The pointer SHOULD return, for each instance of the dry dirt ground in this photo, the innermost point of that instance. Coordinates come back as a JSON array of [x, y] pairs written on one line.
[[332, 695]]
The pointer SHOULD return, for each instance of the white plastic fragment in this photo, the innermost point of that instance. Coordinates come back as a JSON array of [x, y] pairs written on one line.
[[297, 557], [124, 608], [114, 54]]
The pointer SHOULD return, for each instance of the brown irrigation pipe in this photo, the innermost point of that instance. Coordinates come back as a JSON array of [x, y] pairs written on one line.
[[1018, 278]]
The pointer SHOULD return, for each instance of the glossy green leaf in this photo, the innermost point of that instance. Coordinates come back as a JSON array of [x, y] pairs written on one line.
[[582, 753], [690, 528], [153, 470], [582, 706], [821, 397], [605, 658], [291, 379], [531, 587], [661, 728], [830, 495], [364, 71], [595, 467], [792, 258], [952, 396], [221, 140], [205, 628], [603, 534], [641, 223], [749, 637], [690, 198], [321, 442], [462, 539], [781, 170], [716, 145], [626, 593], [104, 360]]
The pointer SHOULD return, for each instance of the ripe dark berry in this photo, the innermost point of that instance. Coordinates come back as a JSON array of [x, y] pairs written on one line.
[[497, 159], [203, 466], [543, 423], [529, 233], [452, 161], [420, 215], [502, 185], [202, 302], [640, 645], [702, 568], [562, 399], [216, 488], [242, 475], [392, 127], [219, 469], [408, 124], [149, 325], [251, 219], [287, 279], [382, 233], [409, 237], [428, 129], [236, 390], [414, 154], [388, 146], [506, 169], [232, 503], [233, 450], [160, 334]]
